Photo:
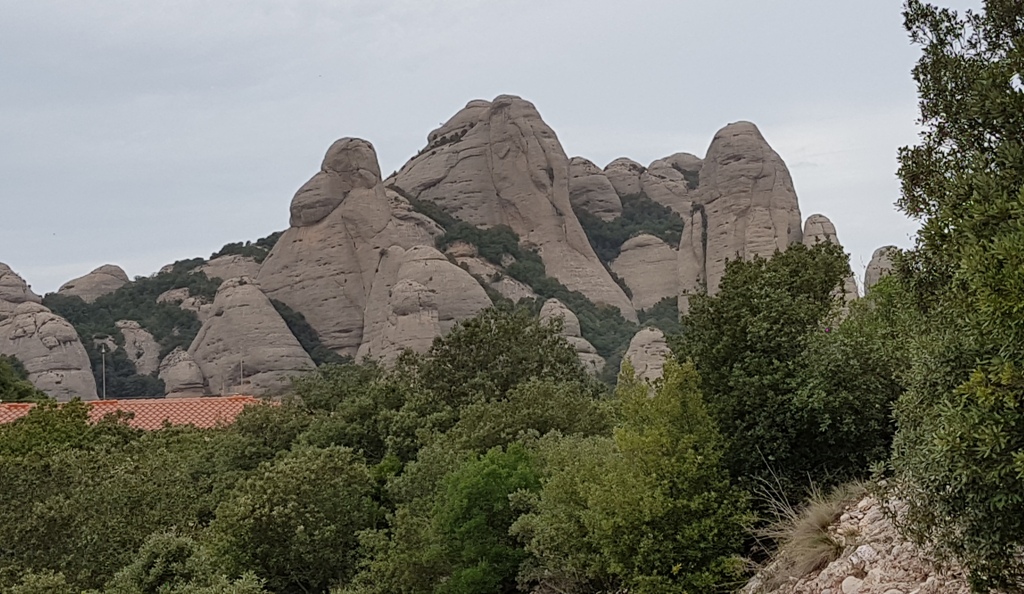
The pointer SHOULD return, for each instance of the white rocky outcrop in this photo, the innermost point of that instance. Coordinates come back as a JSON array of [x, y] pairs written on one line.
[[342, 222], [417, 295], [648, 266], [745, 206], [665, 181], [467, 257], [817, 229], [184, 299], [875, 560], [181, 375], [880, 266], [591, 191], [102, 281], [230, 266], [49, 348], [498, 163], [555, 309], [624, 175], [245, 346], [647, 353], [140, 347], [14, 290]]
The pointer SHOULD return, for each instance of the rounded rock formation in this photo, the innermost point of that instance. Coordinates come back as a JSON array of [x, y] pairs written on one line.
[[590, 190], [140, 346], [245, 346], [880, 266], [49, 348], [671, 181], [104, 280], [555, 309], [647, 353], [498, 163], [818, 229], [230, 266], [648, 267], [181, 375], [624, 175]]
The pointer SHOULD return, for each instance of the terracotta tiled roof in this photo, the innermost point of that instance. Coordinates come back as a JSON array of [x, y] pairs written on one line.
[[150, 413]]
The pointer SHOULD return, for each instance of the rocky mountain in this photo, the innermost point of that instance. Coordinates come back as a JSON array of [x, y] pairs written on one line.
[[491, 209]]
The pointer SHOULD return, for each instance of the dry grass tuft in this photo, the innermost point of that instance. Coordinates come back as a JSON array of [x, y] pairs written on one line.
[[803, 536]]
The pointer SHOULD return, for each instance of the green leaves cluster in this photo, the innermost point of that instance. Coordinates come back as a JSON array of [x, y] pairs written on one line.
[[639, 215]]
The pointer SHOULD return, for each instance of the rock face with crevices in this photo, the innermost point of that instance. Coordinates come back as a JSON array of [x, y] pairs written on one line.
[[142, 349], [245, 347], [183, 298], [230, 266], [874, 560], [624, 175], [647, 353], [590, 190], [342, 222], [498, 163], [102, 281], [670, 181], [552, 309], [817, 229], [49, 348], [879, 267], [181, 375], [648, 266], [745, 206], [417, 295]]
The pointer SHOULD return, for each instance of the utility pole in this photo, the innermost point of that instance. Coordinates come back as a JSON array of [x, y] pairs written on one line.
[[103, 359]]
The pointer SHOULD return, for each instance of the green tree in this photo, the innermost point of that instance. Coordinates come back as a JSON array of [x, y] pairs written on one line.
[[749, 344], [957, 457], [14, 384], [650, 510], [294, 522]]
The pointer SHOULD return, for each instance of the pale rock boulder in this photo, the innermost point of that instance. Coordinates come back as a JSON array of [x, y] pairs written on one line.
[[14, 291], [873, 559], [184, 299], [417, 295], [647, 352], [648, 266], [51, 351], [749, 204], [591, 191], [624, 175], [555, 309], [245, 340], [230, 266], [142, 349], [342, 222], [818, 229], [498, 163], [669, 181], [104, 280], [181, 375], [880, 266], [692, 274], [495, 278]]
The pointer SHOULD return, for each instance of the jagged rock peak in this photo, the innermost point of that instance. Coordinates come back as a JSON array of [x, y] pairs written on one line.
[[555, 309], [880, 266], [748, 205], [245, 346], [818, 229], [350, 163], [624, 175], [499, 163], [324, 265], [648, 267], [14, 289], [102, 281], [591, 191], [647, 353]]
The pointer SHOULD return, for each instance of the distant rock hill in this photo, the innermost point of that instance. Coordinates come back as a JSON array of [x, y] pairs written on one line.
[[491, 209]]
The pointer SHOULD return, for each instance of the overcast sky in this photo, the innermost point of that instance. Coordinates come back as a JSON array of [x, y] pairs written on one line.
[[139, 133]]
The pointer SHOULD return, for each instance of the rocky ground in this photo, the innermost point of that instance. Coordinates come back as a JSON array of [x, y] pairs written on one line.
[[875, 560]]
